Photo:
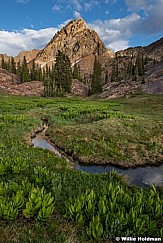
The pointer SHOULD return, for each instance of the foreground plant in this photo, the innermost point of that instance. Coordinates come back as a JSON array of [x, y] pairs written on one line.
[[115, 211], [40, 204]]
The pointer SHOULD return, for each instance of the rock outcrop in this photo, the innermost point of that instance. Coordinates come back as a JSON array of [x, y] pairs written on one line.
[[128, 82], [154, 80], [79, 88], [5, 57], [29, 55], [10, 84], [6, 76]]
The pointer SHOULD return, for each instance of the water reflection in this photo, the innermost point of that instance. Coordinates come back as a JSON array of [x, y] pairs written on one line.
[[140, 176]]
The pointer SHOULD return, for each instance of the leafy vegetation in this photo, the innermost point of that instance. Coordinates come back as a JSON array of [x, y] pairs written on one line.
[[43, 199], [115, 211]]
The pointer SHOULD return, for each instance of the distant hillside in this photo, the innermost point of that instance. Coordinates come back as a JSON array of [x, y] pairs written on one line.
[[153, 51], [124, 75]]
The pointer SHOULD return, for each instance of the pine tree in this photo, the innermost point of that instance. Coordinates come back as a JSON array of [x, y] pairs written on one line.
[[134, 72], [46, 81], [140, 65], [129, 68], [62, 74], [8, 65], [76, 72], [97, 82], [106, 76], [68, 75], [39, 75], [25, 77], [33, 71], [115, 71], [18, 69], [13, 66], [3, 63], [59, 78]]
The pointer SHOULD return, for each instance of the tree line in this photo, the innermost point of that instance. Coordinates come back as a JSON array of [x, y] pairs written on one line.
[[21, 69], [57, 79]]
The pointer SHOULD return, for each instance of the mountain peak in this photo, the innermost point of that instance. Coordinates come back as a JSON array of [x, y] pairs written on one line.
[[78, 42], [73, 27], [78, 21]]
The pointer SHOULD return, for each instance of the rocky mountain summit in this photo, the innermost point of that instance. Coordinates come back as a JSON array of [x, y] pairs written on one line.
[[80, 43]]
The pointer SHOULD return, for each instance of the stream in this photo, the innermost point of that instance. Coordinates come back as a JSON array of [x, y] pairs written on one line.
[[140, 176]]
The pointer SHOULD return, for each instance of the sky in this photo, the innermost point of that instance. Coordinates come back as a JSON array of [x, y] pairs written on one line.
[[30, 24]]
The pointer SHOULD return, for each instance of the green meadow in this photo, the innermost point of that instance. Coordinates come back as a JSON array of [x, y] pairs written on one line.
[[43, 199]]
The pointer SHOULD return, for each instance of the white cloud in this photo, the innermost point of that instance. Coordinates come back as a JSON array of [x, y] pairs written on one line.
[[76, 5], [90, 5], [152, 21], [57, 8], [22, 1], [152, 24], [116, 32], [76, 14], [119, 45], [64, 23], [137, 5], [13, 42]]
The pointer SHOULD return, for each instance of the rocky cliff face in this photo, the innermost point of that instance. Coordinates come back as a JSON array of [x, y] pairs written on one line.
[[29, 55], [153, 51], [5, 57], [150, 82], [79, 42]]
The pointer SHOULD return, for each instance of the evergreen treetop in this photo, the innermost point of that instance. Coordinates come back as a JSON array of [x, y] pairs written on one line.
[[97, 82]]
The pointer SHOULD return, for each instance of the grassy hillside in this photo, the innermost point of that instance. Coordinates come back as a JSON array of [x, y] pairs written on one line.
[[42, 199]]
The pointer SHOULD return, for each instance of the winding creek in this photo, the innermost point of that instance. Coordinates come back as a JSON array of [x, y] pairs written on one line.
[[140, 176]]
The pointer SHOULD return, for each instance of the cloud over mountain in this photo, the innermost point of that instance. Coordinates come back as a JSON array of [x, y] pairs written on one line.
[[13, 42], [117, 32], [144, 17]]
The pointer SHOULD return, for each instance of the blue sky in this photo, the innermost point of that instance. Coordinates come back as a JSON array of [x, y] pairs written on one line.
[[30, 24]]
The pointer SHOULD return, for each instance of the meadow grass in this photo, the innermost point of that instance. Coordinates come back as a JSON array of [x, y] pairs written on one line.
[[119, 131], [124, 132]]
